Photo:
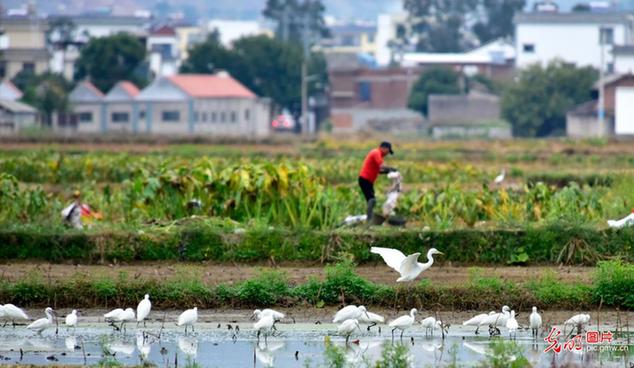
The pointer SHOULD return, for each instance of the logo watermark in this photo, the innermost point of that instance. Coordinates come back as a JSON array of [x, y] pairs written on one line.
[[592, 341]]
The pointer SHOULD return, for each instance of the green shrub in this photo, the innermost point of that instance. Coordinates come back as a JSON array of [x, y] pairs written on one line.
[[266, 289], [614, 283]]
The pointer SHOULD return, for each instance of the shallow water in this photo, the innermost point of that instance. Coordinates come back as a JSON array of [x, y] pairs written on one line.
[[211, 346]]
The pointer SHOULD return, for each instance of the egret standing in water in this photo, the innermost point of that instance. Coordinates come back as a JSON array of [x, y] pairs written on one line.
[[535, 322], [188, 318], [124, 317], [264, 325], [71, 319], [277, 316], [408, 267], [143, 310], [512, 325], [430, 324], [372, 318], [477, 320], [13, 313], [43, 323], [347, 327], [403, 322]]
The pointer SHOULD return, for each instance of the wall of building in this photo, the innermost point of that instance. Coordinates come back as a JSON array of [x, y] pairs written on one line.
[[574, 43], [383, 120], [465, 109], [96, 111], [124, 107], [586, 126], [610, 93], [624, 64]]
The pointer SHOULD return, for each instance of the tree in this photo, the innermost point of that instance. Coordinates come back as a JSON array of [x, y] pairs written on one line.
[[433, 81], [107, 60], [498, 19], [291, 16], [537, 103], [454, 26], [268, 67], [47, 92]]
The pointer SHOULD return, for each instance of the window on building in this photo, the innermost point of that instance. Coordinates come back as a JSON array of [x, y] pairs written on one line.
[[84, 117], [196, 116], [222, 117], [28, 68], [171, 116], [610, 68], [528, 48], [247, 114], [348, 40], [120, 117], [204, 117], [232, 117], [370, 37], [141, 114], [3, 69], [365, 91], [606, 36], [214, 116]]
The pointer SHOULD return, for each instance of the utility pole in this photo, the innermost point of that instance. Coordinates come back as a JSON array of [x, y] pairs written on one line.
[[601, 103], [306, 129]]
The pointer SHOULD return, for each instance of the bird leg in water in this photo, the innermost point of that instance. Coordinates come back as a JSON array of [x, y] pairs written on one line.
[[393, 333], [402, 334], [258, 336], [371, 325]]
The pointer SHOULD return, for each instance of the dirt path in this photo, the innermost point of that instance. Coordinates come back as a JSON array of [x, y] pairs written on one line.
[[215, 274]]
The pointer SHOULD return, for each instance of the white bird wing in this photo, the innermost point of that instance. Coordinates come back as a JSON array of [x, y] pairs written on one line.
[[40, 323], [113, 313], [392, 257], [475, 320], [409, 264], [400, 321], [345, 313]]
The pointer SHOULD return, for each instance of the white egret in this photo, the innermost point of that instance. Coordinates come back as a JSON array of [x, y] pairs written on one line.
[[347, 327], [403, 322], [626, 221], [497, 319], [408, 267], [512, 325], [71, 319], [350, 312], [143, 310], [372, 318], [188, 318], [535, 321], [500, 178], [112, 315], [124, 317], [430, 324], [477, 320], [13, 313], [264, 325], [188, 345], [277, 316], [43, 323], [578, 320]]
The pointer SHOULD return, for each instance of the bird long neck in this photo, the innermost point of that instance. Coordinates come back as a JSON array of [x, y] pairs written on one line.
[[49, 316], [430, 260]]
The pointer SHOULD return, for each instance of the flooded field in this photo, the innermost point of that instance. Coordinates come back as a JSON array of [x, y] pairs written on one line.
[[225, 343]]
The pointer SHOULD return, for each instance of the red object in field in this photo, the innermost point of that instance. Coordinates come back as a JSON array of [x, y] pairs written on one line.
[[85, 210], [281, 121], [356, 341]]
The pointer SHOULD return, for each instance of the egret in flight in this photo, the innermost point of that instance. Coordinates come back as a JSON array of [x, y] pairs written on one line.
[[408, 267]]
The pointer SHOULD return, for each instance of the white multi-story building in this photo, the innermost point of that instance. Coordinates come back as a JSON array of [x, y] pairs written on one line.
[[575, 37]]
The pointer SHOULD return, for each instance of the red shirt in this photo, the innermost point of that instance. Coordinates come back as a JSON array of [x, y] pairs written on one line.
[[372, 165]]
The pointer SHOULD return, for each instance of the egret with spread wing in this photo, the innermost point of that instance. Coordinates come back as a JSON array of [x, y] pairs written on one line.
[[408, 267]]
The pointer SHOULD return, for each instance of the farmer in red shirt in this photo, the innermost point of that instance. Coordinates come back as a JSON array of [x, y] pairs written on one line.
[[372, 167]]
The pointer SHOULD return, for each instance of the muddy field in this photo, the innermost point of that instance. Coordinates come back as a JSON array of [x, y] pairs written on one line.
[[214, 274]]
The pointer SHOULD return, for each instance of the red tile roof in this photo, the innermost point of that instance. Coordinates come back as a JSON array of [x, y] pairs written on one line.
[[206, 85], [92, 87], [164, 31], [10, 84], [129, 88]]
